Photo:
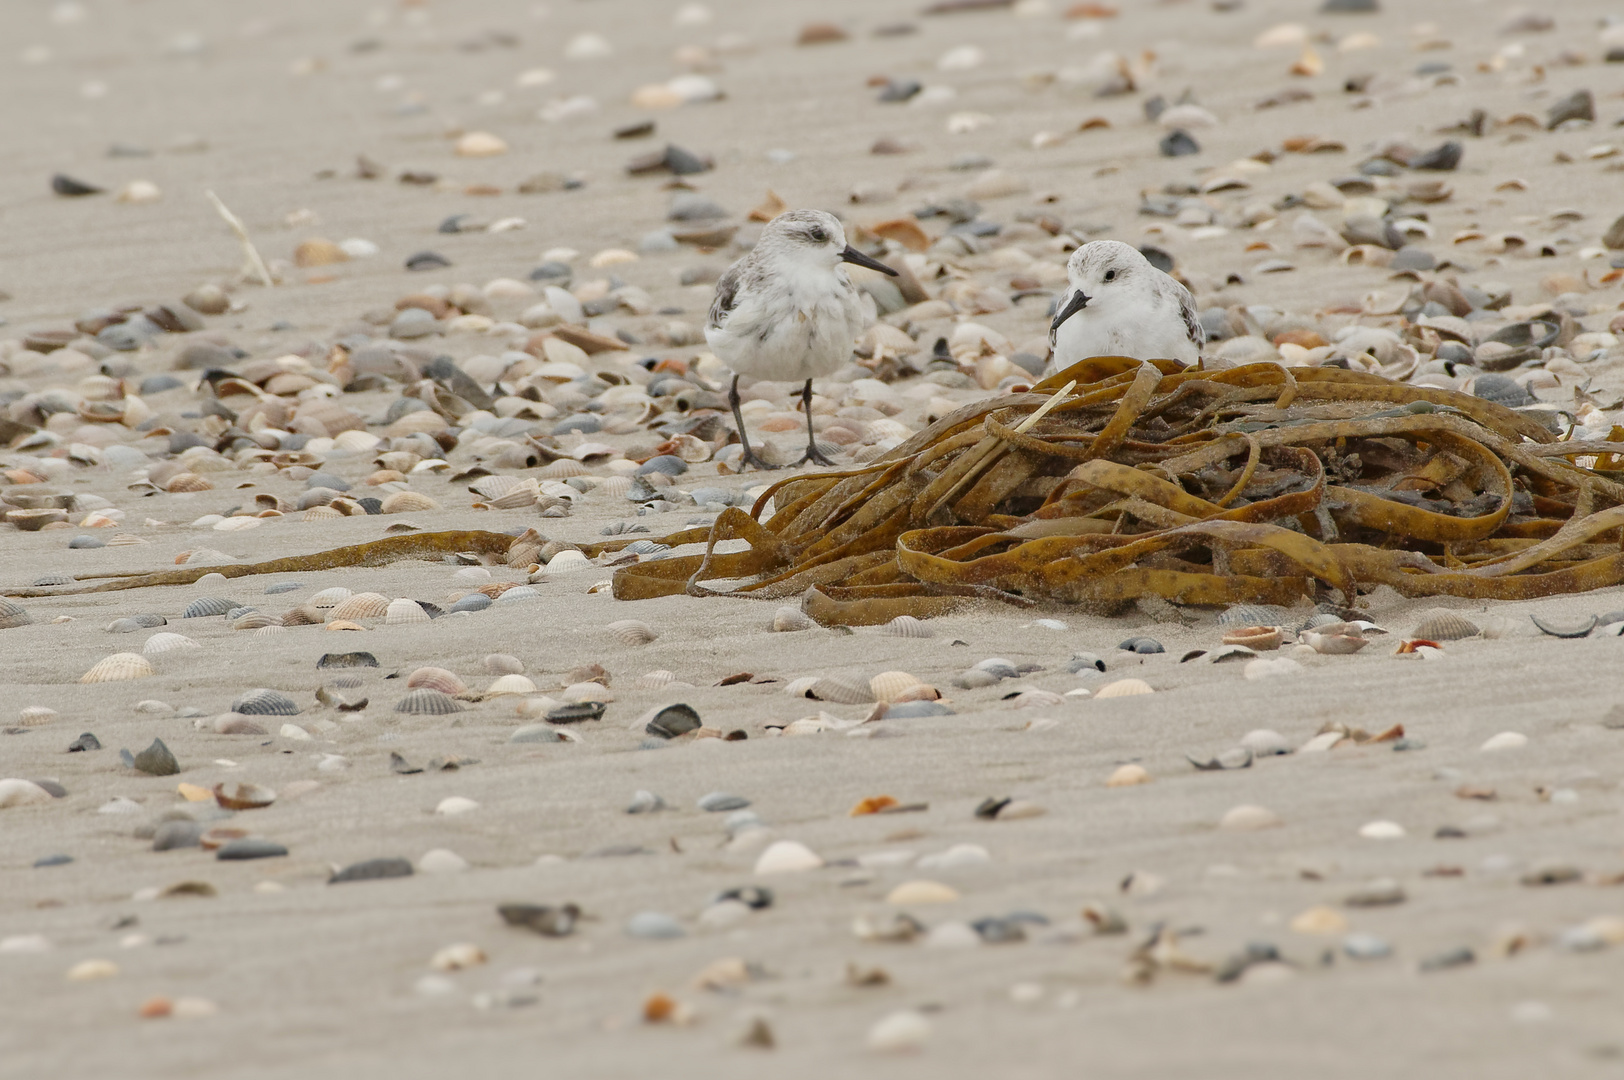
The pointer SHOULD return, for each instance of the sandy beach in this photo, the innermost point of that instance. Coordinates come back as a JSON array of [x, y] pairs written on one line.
[[1408, 906]]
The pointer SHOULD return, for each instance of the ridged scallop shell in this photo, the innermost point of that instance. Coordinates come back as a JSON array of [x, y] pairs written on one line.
[[407, 502], [344, 624], [586, 691], [126, 540], [632, 632], [143, 621], [263, 702], [1254, 615], [888, 686], [35, 716], [510, 684], [615, 487], [654, 680], [789, 619], [53, 579], [566, 561], [12, 615], [329, 598], [562, 469], [167, 642], [205, 606], [426, 702], [269, 631], [800, 687], [436, 678], [1445, 626], [908, 626], [188, 481], [503, 664], [367, 605], [1123, 688], [403, 611], [496, 487], [320, 513], [1261, 638], [117, 668], [256, 620], [304, 615], [840, 692], [517, 594]]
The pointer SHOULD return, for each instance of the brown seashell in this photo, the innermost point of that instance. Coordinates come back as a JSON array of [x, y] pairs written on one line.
[[367, 605], [118, 667], [922, 692], [214, 839], [1445, 626], [1260, 638], [35, 520], [874, 804], [243, 796], [304, 615], [407, 502], [632, 632], [318, 253], [436, 678], [188, 481], [256, 620], [344, 624], [905, 231]]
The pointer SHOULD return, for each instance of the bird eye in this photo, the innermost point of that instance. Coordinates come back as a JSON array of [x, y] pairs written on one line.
[[818, 235], [1110, 275]]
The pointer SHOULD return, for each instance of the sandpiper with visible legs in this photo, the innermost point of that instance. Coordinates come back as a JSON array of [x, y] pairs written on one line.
[[1118, 304], [787, 311]]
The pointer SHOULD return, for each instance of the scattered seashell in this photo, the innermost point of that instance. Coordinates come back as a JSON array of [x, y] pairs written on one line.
[[1128, 776], [510, 684], [118, 667], [35, 716], [263, 702], [242, 796], [1382, 830], [367, 605], [892, 686], [502, 664], [1257, 638], [426, 702], [839, 692], [921, 892], [15, 792], [908, 626], [630, 631], [12, 614], [1123, 688], [787, 857], [1445, 626], [1248, 818], [1506, 740], [404, 612]]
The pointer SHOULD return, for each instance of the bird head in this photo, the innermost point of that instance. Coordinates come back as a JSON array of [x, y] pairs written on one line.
[[816, 237]]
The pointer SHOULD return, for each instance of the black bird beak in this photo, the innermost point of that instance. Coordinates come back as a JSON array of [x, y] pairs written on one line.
[[1079, 300], [852, 255]]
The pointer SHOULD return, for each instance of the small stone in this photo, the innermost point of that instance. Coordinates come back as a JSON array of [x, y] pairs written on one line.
[[1366, 947], [645, 802], [1248, 818], [156, 760], [654, 925], [457, 957], [85, 742], [1378, 893], [1382, 830], [441, 861], [718, 802], [1128, 776], [88, 970], [1178, 143], [66, 185], [921, 892], [787, 857], [1442, 158], [249, 847], [452, 805], [372, 870], [899, 1033], [543, 919], [1320, 920], [173, 835], [1506, 740], [1450, 958], [1579, 105]]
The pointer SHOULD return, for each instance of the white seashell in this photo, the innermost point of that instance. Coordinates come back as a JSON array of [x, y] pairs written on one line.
[[586, 691], [628, 631], [799, 687], [899, 1032], [118, 667], [35, 716], [840, 692], [294, 732], [1269, 669], [789, 619], [167, 642], [654, 680], [452, 805], [15, 792], [566, 561], [367, 605], [922, 892], [1506, 740], [787, 857], [441, 861], [1123, 688], [407, 502], [908, 626], [510, 684], [403, 611], [1247, 818], [473, 573], [889, 686], [1128, 776], [503, 664], [1382, 830], [328, 598]]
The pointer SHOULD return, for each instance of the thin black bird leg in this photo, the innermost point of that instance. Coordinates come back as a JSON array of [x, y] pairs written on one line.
[[812, 453], [749, 456]]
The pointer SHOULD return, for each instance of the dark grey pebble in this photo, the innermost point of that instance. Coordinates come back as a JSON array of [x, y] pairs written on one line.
[[995, 931], [1451, 958], [84, 742], [1502, 390], [673, 720], [1410, 257], [553, 272], [173, 835], [718, 802], [427, 260], [1441, 158], [471, 602], [249, 847], [1349, 7], [83, 542], [1084, 661], [1579, 105], [347, 660], [1142, 645], [669, 464], [545, 919], [326, 480], [372, 870], [899, 90], [156, 760], [755, 897], [1256, 952], [1178, 143], [685, 162], [52, 860], [64, 184]]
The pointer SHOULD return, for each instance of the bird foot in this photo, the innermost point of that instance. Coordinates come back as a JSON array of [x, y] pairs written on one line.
[[814, 455], [749, 458]]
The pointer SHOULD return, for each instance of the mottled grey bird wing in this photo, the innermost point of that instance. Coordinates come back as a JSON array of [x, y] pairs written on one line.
[[1192, 319], [728, 289]]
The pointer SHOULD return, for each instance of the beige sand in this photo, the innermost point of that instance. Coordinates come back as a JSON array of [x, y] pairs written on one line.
[[313, 980]]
